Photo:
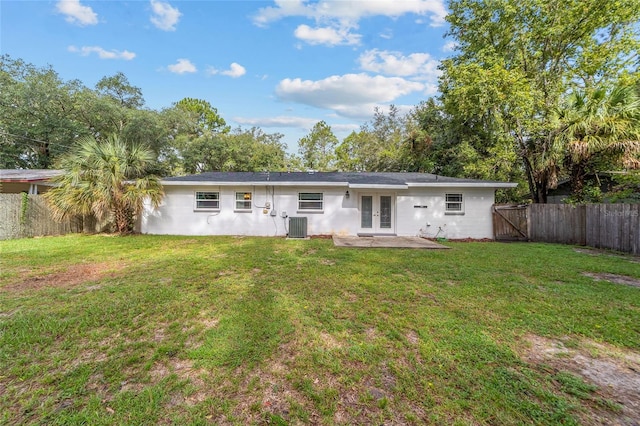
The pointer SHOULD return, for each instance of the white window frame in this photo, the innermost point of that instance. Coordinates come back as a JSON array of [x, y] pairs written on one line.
[[240, 203], [196, 205], [302, 208], [450, 204]]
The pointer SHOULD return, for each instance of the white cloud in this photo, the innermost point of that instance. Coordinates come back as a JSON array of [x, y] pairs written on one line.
[[103, 53], [449, 46], [301, 123], [279, 121], [235, 70], [351, 11], [345, 128], [386, 34], [282, 9], [327, 35], [351, 95], [165, 16], [77, 13], [182, 66], [420, 65], [430, 89]]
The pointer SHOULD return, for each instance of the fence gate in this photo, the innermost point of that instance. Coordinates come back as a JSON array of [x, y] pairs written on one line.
[[510, 222]]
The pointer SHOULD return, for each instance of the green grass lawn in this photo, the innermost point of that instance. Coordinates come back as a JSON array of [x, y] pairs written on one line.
[[149, 329]]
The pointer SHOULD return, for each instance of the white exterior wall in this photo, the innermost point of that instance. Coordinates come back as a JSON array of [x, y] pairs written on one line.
[[177, 214], [476, 222], [341, 215]]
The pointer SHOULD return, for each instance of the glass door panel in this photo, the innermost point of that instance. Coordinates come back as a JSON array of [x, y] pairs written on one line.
[[377, 213], [366, 216], [385, 212]]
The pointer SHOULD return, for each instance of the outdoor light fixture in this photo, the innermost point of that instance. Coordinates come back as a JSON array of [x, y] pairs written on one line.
[[346, 194]]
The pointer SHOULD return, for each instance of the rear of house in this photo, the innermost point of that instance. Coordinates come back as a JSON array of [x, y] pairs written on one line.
[[31, 181], [333, 203]]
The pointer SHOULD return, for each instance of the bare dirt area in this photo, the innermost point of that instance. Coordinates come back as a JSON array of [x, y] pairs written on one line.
[[73, 276], [617, 279], [599, 252], [614, 371]]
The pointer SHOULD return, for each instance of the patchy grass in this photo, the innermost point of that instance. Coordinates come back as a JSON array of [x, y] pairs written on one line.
[[147, 329]]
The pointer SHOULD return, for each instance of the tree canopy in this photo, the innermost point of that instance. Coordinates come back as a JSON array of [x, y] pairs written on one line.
[[42, 117], [518, 61], [317, 149], [537, 91]]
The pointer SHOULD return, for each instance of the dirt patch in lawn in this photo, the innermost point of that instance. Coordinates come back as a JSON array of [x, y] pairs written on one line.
[[599, 252], [617, 279], [616, 373], [267, 391], [73, 276]]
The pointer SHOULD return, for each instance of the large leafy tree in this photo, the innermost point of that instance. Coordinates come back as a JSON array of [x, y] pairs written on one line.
[[469, 125], [36, 115], [317, 149], [108, 180], [599, 128], [205, 119], [356, 153], [388, 133], [516, 62], [239, 150], [118, 89], [101, 115], [381, 145]]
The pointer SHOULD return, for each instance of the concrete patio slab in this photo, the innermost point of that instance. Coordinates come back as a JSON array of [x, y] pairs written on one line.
[[387, 242]]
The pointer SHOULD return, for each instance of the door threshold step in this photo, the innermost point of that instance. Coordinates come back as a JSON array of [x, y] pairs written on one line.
[[369, 235]]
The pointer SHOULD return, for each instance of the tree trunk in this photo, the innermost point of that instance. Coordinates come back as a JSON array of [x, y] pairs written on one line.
[[538, 182], [538, 195], [123, 219], [577, 182]]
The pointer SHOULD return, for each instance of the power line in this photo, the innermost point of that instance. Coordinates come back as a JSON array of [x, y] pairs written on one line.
[[35, 140]]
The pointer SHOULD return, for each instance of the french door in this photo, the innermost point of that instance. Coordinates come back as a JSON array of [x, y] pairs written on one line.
[[377, 213]]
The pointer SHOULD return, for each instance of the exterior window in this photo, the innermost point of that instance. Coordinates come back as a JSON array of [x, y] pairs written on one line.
[[243, 201], [310, 201], [207, 200], [453, 203]]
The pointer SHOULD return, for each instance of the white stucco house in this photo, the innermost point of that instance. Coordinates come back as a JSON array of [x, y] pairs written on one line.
[[31, 181], [318, 203]]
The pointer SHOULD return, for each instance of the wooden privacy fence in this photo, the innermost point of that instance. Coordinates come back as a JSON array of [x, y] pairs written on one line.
[[614, 226], [29, 216], [611, 226], [557, 223]]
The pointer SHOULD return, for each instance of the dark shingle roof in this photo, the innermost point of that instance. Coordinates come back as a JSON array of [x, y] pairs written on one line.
[[32, 175], [349, 178]]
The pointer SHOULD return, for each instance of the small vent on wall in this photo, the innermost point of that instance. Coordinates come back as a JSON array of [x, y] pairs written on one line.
[[297, 227]]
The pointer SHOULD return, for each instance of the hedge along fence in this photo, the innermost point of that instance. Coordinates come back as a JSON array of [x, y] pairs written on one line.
[[23, 215]]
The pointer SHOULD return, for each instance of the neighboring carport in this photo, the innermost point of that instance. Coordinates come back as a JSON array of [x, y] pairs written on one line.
[[387, 242]]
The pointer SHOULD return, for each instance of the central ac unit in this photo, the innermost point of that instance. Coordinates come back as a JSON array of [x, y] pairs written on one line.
[[297, 227]]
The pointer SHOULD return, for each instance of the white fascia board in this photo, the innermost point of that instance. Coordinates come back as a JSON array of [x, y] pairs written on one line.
[[261, 183], [463, 185], [376, 186]]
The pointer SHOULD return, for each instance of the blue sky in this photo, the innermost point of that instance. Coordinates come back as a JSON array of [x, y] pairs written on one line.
[[279, 65]]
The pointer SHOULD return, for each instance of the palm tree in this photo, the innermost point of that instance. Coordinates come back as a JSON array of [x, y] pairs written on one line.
[[598, 127], [108, 180]]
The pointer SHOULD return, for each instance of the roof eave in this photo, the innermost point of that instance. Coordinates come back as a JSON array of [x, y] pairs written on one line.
[[346, 184], [376, 186], [9, 180], [462, 184], [260, 183]]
